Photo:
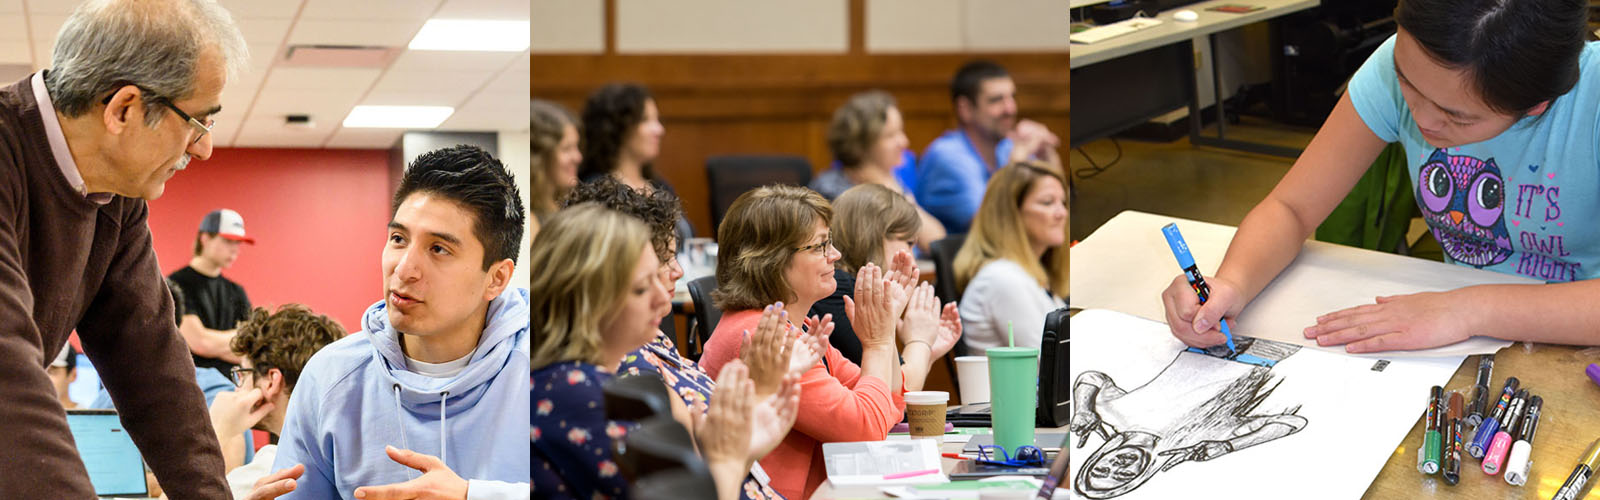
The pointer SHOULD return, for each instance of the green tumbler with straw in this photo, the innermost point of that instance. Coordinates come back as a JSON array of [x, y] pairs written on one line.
[[1013, 394]]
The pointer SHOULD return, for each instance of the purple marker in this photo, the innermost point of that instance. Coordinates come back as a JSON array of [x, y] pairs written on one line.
[[1594, 372]]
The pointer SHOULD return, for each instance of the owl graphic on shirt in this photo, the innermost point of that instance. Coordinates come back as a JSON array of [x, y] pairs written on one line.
[[1463, 201]]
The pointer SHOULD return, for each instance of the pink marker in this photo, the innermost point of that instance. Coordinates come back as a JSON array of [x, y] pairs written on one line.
[[903, 475], [1502, 439]]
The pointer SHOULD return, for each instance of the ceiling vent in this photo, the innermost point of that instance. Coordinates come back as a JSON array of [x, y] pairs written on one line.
[[339, 56]]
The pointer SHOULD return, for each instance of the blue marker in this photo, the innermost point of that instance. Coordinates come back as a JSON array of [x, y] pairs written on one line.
[[1491, 423], [1180, 250]]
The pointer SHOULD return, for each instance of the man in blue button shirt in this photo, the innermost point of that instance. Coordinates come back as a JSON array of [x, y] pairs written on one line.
[[956, 167]]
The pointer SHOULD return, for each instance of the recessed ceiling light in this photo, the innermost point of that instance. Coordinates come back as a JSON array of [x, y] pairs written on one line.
[[413, 117], [467, 34]]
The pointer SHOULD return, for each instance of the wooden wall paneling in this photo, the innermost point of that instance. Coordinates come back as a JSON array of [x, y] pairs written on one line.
[[781, 104]]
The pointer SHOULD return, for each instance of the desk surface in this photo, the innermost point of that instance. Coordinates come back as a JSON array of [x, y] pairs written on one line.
[[1569, 423], [828, 492], [1171, 31]]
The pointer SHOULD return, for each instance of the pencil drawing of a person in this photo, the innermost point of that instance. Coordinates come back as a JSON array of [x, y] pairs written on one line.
[[1198, 408]]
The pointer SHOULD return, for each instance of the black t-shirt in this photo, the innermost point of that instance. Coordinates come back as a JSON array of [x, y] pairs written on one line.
[[844, 336], [221, 304]]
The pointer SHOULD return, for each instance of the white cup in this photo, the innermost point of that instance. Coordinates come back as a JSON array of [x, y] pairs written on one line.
[[972, 373]]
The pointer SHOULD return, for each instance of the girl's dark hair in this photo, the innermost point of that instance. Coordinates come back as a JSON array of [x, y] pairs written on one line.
[[1519, 52], [609, 115]]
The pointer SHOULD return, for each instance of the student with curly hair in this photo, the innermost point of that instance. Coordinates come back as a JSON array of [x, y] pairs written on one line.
[[273, 346]]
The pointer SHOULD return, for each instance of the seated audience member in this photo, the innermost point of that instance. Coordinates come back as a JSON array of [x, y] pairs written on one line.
[[555, 158], [660, 210], [868, 139], [273, 348], [1012, 270], [428, 395], [774, 247], [63, 372], [873, 224], [955, 167], [603, 300], [622, 138]]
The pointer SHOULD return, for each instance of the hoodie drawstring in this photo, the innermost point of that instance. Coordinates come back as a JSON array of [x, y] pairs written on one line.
[[444, 444], [399, 416]]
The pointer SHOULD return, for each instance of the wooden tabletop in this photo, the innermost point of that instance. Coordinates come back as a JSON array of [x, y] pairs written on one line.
[[1570, 421]]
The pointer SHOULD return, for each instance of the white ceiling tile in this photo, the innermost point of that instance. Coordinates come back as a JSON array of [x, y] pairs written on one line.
[[491, 111], [41, 54], [16, 52], [514, 79], [435, 61], [433, 80], [322, 105], [450, 97], [259, 9], [223, 132], [277, 141], [365, 138], [379, 33], [263, 133], [236, 101], [369, 9], [321, 78], [269, 31], [481, 85], [45, 26], [13, 27], [51, 7], [484, 9]]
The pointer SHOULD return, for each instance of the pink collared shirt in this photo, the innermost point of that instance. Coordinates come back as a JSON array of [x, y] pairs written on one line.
[[58, 143]]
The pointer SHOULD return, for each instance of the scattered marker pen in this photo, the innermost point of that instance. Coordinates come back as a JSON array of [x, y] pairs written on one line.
[[1491, 423], [1430, 434], [1452, 440], [1580, 474], [1496, 455], [1480, 398], [1180, 250], [1517, 465]]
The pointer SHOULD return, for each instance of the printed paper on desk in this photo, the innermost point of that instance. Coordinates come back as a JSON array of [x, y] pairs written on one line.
[[864, 463], [1155, 421], [1126, 264]]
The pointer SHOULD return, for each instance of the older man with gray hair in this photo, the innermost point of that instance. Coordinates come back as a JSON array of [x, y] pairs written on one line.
[[127, 102]]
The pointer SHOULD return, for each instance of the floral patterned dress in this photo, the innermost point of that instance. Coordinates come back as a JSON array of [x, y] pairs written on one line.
[[571, 436]]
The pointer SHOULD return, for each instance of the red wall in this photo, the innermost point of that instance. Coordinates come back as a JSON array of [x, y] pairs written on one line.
[[318, 216]]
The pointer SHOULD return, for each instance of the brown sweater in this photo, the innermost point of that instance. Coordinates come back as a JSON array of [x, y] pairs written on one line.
[[68, 263]]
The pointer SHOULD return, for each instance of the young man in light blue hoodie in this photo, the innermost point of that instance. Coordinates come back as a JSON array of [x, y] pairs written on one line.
[[430, 399]]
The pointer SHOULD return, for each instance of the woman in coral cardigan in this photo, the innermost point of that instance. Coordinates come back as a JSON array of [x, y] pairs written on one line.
[[775, 247]]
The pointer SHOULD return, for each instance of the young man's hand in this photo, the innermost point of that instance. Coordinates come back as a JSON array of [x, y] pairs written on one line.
[[438, 482], [235, 412]]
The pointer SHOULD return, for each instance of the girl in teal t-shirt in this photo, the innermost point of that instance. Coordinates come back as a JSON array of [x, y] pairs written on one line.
[[1496, 106]]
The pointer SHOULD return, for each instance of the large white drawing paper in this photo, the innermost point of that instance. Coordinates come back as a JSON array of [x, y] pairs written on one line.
[[1154, 421], [1126, 264]]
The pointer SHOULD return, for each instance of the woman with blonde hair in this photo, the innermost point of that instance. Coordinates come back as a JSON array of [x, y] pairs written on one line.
[[873, 224], [555, 157], [775, 247], [1012, 270], [868, 140], [601, 298]]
